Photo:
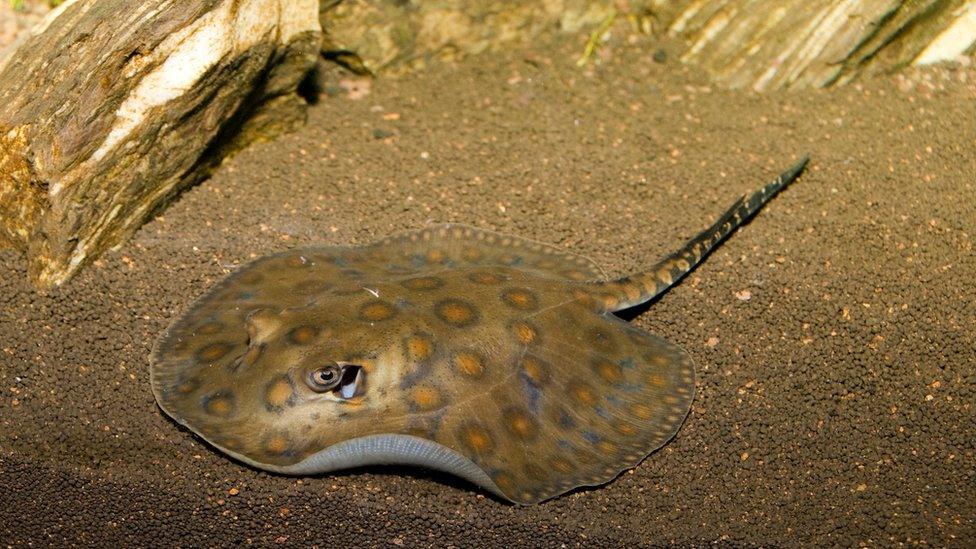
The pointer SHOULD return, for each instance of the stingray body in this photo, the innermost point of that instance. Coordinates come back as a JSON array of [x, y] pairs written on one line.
[[491, 357]]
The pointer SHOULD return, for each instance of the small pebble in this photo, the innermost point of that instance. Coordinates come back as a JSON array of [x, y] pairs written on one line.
[[356, 88]]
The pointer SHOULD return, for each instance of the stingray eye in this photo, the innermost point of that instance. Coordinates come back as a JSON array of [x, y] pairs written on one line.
[[325, 378]]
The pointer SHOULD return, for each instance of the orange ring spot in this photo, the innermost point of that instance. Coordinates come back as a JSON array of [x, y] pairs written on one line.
[[419, 348], [376, 311], [220, 404], [456, 312], [426, 398], [471, 254], [302, 334], [625, 429], [477, 439], [642, 411], [482, 277], [562, 465], [535, 369], [520, 299], [212, 352], [436, 256], [276, 445], [657, 380], [422, 283], [525, 333], [278, 393], [469, 363], [520, 424], [609, 371], [607, 447], [583, 394]]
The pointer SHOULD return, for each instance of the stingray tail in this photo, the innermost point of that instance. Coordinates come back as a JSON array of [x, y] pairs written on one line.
[[633, 290]]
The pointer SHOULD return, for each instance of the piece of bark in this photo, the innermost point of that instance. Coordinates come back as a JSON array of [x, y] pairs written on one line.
[[394, 36], [772, 44], [762, 44], [112, 107]]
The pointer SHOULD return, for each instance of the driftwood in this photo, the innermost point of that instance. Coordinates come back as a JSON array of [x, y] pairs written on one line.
[[762, 44], [770, 44], [394, 36], [112, 107]]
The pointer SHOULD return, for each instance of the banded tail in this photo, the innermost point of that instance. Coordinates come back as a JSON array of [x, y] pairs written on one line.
[[633, 290]]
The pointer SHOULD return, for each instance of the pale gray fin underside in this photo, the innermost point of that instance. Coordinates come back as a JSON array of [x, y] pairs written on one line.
[[387, 449]]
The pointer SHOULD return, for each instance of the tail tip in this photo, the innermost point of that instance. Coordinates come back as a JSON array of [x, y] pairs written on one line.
[[801, 163], [794, 171]]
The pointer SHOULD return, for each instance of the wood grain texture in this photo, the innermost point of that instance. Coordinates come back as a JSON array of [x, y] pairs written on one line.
[[775, 44], [112, 107], [760, 44]]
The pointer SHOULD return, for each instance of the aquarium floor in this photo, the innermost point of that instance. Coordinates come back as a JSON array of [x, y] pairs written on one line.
[[834, 335]]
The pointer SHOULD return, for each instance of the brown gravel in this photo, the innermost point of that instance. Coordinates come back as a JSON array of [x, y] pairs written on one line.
[[835, 402]]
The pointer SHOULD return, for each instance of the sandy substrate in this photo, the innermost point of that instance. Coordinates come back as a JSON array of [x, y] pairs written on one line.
[[834, 335]]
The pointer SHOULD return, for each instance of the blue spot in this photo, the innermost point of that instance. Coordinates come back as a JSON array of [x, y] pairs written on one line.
[[532, 393], [413, 377], [602, 412], [591, 437], [628, 363], [566, 421], [565, 444], [614, 400]]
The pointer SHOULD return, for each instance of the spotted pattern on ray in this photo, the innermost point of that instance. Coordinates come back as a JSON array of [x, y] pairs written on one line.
[[498, 349], [485, 353]]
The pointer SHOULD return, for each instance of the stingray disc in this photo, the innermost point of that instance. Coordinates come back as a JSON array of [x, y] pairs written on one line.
[[454, 348]]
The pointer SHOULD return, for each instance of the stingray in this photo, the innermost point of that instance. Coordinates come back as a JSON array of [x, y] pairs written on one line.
[[491, 357]]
